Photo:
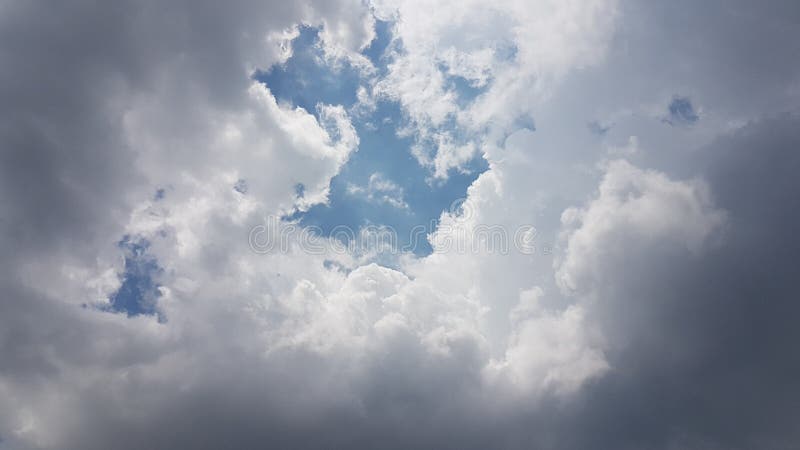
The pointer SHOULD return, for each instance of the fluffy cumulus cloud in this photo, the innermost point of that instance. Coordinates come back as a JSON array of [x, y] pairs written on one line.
[[622, 275], [463, 69]]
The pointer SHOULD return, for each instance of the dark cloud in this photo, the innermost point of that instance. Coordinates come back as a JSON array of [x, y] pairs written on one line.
[[700, 345], [66, 81]]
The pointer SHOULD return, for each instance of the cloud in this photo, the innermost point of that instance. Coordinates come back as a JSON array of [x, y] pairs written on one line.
[[633, 205], [514, 52], [695, 339], [664, 321], [380, 190]]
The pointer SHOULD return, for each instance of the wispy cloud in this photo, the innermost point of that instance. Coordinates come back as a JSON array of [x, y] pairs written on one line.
[[379, 190]]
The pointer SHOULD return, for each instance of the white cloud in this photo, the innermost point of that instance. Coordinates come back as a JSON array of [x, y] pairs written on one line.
[[632, 206], [515, 51], [380, 190]]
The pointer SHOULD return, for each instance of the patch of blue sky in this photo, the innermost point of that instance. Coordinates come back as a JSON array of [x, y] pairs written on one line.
[[305, 80], [599, 128], [138, 293], [383, 152], [681, 112], [159, 195], [466, 90], [506, 51], [376, 52]]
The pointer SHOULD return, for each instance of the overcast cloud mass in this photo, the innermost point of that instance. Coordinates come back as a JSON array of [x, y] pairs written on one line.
[[596, 205]]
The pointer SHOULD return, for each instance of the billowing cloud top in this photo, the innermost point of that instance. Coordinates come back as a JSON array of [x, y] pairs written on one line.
[[611, 263]]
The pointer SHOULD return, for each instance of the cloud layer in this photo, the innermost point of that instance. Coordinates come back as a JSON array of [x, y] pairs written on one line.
[[652, 306]]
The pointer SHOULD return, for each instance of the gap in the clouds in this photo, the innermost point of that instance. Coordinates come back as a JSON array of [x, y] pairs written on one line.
[[681, 112], [377, 50], [417, 201], [138, 293], [466, 90], [305, 80], [383, 152]]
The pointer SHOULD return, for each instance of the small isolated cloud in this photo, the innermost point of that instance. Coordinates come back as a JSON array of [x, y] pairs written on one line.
[[681, 112], [380, 190]]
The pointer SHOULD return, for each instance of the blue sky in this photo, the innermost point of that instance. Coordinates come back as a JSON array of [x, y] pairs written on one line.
[[305, 80], [138, 292]]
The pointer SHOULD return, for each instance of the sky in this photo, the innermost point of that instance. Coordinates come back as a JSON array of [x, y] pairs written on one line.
[[399, 224]]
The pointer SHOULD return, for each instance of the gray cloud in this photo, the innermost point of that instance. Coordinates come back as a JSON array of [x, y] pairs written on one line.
[[699, 344]]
